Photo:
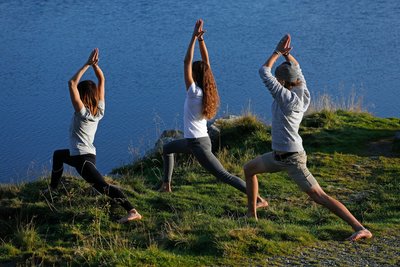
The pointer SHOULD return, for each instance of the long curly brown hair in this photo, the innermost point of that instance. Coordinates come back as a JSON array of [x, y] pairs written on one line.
[[89, 95], [204, 78]]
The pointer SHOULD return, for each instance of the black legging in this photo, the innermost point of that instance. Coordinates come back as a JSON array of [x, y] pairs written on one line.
[[86, 167]]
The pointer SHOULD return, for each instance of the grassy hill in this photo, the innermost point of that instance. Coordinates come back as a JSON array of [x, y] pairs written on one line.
[[353, 155]]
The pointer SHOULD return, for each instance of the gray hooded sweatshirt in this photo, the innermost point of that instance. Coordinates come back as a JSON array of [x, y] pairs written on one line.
[[288, 109]]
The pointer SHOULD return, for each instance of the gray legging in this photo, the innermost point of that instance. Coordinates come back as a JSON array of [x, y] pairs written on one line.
[[201, 149]]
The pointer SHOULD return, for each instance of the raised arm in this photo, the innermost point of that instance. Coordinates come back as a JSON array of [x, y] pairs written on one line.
[[73, 82], [189, 55], [202, 46], [100, 77], [187, 65]]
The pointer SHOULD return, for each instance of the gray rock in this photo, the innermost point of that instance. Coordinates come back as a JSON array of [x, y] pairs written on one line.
[[214, 132], [166, 137]]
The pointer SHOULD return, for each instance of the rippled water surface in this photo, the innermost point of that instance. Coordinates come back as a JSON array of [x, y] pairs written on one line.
[[342, 46]]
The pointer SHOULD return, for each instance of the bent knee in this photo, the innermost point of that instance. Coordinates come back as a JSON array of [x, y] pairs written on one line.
[[59, 153], [60, 157], [249, 169], [167, 151]]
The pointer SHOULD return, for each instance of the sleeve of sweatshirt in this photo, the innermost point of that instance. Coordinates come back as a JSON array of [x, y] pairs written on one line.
[[288, 100], [301, 76]]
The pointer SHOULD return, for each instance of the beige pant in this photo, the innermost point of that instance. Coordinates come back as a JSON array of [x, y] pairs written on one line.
[[295, 165]]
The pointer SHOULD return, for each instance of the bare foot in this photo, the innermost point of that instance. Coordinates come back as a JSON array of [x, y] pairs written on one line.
[[133, 215], [361, 234], [165, 187], [261, 203]]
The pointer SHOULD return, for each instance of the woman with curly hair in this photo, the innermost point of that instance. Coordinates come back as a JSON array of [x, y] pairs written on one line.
[[201, 104]]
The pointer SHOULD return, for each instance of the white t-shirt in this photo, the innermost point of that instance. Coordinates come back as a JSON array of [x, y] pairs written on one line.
[[83, 129], [195, 125]]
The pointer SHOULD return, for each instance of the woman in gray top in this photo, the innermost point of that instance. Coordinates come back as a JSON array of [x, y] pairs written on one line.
[[88, 101], [291, 100]]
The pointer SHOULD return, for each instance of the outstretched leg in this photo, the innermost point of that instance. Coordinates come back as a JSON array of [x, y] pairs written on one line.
[[90, 173], [298, 171], [201, 149], [335, 206]]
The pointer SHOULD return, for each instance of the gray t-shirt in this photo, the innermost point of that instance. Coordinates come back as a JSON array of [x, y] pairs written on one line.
[[83, 129], [288, 109]]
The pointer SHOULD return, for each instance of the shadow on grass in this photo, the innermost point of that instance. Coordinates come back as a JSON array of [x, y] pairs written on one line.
[[348, 140]]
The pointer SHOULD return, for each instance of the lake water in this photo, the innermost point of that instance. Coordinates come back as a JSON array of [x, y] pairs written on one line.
[[342, 46]]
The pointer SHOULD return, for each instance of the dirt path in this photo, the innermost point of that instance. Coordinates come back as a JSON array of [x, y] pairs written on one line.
[[380, 251]]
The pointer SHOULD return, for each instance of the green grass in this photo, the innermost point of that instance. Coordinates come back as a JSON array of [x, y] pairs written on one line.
[[200, 223]]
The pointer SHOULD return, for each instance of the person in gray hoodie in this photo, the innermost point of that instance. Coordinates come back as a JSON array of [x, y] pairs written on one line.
[[291, 99]]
